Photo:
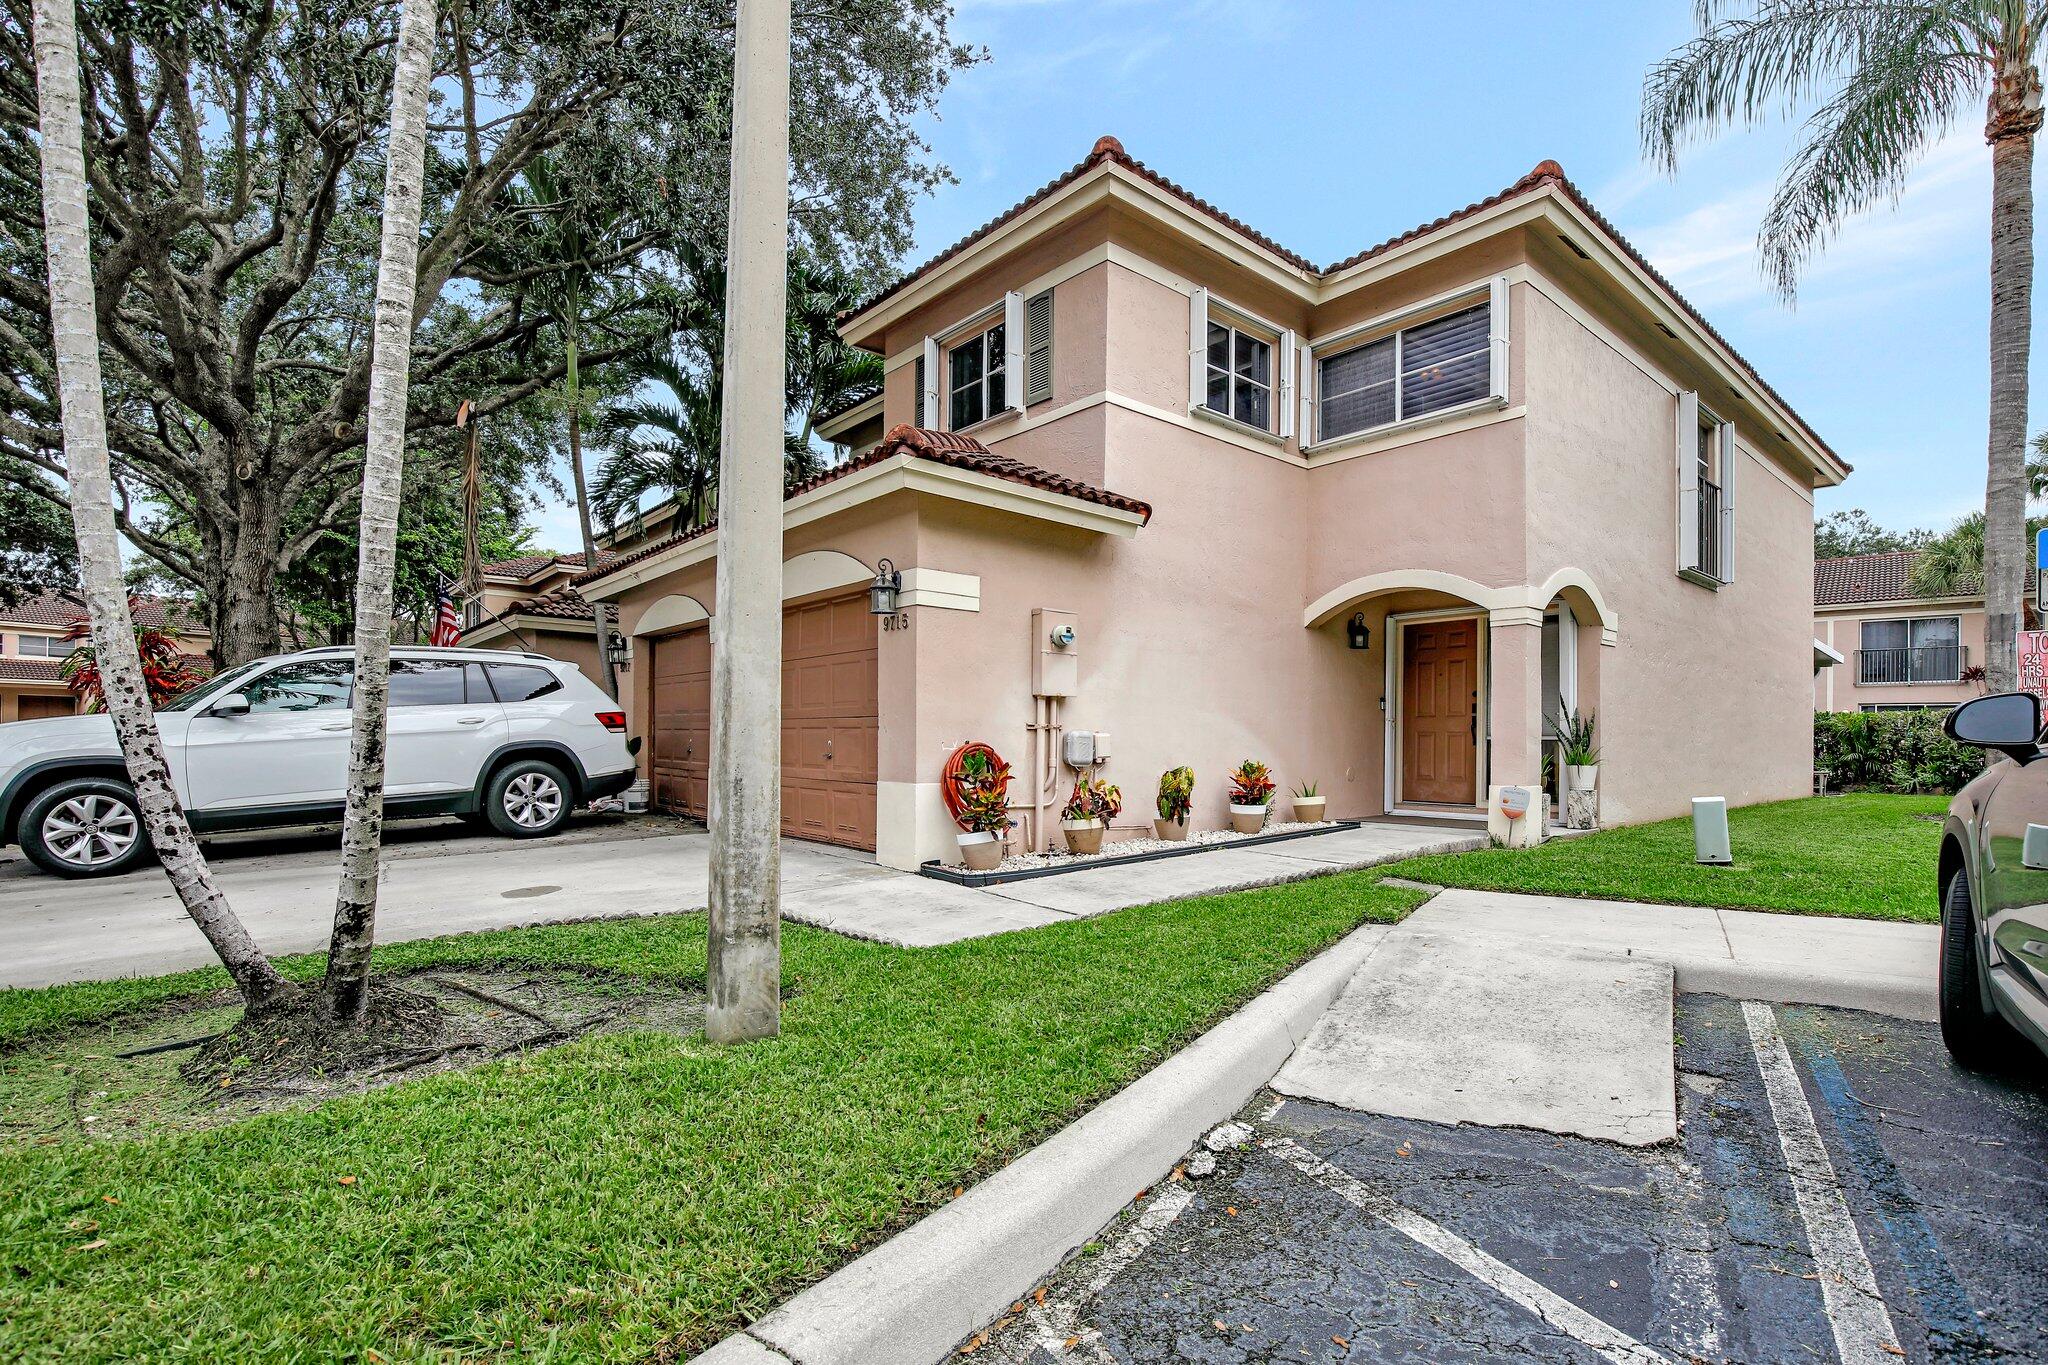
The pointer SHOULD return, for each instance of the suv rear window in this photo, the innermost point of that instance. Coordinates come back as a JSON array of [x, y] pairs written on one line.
[[436, 682], [521, 682]]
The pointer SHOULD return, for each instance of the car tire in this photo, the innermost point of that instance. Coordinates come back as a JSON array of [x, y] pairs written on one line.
[[85, 827], [1976, 1037], [528, 798]]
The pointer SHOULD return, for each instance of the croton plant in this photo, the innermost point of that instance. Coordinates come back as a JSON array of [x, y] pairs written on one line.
[[1176, 793], [1094, 799], [983, 785], [1251, 784]]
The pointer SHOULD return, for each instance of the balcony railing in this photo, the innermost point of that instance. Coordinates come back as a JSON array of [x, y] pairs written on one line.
[[1924, 664], [1710, 529]]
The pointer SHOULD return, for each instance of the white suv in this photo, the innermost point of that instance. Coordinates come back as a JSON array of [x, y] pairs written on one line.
[[513, 740]]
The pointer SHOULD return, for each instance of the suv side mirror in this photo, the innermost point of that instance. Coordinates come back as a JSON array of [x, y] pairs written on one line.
[[2009, 722], [232, 704]]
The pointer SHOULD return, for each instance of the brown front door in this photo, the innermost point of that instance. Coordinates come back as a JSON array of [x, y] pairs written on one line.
[[42, 708], [828, 722], [1439, 711], [681, 764]]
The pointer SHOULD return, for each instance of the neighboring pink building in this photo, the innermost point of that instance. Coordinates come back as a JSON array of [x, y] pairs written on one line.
[[33, 649], [1900, 651], [1500, 448]]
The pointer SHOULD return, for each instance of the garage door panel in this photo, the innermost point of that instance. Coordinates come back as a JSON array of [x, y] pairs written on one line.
[[829, 729]]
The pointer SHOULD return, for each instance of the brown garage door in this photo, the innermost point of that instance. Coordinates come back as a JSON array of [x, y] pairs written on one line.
[[828, 722], [41, 708], [681, 764]]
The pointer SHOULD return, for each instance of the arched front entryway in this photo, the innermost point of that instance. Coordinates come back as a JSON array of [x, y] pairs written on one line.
[[1468, 678]]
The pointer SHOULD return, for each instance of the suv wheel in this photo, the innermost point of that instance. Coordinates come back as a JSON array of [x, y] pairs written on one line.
[[527, 799], [86, 827], [1976, 1037]]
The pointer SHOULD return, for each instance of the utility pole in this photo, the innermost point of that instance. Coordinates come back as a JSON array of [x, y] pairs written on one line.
[[745, 969]]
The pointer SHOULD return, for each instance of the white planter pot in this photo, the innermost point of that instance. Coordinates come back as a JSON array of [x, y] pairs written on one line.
[[1582, 776], [1247, 819], [981, 852], [1309, 809]]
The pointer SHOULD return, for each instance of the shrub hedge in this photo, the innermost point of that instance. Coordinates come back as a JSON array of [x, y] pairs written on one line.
[[1891, 751]]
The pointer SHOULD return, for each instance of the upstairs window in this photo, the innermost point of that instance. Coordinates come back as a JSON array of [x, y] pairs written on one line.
[[1706, 494], [976, 370], [1919, 649], [1240, 376], [1446, 362], [44, 646]]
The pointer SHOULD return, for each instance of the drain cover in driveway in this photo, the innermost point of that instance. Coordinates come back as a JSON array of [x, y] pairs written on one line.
[[1527, 1036], [520, 893]]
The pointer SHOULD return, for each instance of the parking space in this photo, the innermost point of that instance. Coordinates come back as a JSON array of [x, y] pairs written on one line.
[[1838, 1191]]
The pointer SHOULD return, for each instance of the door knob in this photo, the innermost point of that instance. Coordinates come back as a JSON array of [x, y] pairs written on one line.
[[470, 720]]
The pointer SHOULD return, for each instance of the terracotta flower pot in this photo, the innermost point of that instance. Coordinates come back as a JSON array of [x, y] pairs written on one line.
[[981, 852], [1174, 830], [1247, 819], [1308, 809], [1083, 836]]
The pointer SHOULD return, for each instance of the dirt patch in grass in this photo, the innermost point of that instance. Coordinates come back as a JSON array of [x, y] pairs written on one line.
[[191, 1064]]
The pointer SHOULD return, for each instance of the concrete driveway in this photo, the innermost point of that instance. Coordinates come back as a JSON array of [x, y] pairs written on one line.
[[444, 878]]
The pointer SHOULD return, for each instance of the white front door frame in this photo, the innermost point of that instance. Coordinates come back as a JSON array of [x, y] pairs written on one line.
[[1396, 628]]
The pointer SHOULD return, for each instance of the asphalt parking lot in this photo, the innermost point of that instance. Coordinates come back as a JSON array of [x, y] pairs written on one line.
[[1838, 1191]]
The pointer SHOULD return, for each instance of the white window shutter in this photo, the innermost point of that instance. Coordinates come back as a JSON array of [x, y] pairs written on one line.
[[1283, 357], [1497, 338], [1198, 346], [1038, 348], [1729, 459], [1304, 388], [1688, 480], [929, 402], [1013, 350]]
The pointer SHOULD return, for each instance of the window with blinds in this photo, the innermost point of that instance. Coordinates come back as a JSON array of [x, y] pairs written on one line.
[[1443, 363]]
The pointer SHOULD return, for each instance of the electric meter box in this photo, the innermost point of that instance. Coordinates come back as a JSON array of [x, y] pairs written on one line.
[[1055, 653]]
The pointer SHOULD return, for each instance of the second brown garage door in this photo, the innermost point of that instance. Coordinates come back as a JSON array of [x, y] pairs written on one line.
[[828, 721]]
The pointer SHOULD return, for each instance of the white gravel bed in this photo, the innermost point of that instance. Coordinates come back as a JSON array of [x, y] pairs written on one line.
[[1061, 858]]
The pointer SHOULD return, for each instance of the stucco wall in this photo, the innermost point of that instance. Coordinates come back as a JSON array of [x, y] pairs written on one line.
[[1706, 692], [1836, 689]]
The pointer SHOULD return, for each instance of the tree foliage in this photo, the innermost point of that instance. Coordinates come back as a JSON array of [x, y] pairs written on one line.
[[235, 157], [1855, 532]]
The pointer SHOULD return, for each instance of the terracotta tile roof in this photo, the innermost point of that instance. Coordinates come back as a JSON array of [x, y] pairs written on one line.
[[526, 566], [940, 447], [564, 604], [1870, 578], [61, 609], [1108, 149], [13, 668]]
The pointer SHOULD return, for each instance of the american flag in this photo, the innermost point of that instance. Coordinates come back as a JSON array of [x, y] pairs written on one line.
[[447, 623]]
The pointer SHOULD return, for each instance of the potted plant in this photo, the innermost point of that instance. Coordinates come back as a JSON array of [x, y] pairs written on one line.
[[1251, 792], [1176, 801], [1087, 814], [1581, 755], [1308, 803], [984, 789]]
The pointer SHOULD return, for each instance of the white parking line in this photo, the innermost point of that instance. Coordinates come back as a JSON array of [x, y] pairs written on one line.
[[1563, 1315], [1057, 1322], [1856, 1312]]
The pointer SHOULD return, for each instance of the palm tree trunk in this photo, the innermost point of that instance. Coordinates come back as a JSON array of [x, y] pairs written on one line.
[[346, 992], [2015, 117], [600, 614], [74, 326]]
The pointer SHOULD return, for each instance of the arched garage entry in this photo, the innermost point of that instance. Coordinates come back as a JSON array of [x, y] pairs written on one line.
[[829, 701]]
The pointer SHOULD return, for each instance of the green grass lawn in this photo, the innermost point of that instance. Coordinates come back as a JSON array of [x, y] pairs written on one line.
[[623, 1195], [1868, 856]]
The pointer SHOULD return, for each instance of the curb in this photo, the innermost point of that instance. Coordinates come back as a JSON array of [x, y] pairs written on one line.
[[918, 1295], [1780, 984]]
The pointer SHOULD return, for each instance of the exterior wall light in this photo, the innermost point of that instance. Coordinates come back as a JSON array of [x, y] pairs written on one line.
[[882, 592], [1355, 633], [616, 649]]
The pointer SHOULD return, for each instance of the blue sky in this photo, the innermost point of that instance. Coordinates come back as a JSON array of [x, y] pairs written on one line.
[[1331, 126]]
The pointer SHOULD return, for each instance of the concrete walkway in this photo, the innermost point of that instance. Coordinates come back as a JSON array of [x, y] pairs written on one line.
[[1751, 954], [440, 882]]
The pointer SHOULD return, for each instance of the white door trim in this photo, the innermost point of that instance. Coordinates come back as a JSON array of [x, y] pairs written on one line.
[[1396, 628]]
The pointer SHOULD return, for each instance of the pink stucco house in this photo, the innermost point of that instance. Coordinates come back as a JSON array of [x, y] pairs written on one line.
[[1371, 523], [1893, 649]]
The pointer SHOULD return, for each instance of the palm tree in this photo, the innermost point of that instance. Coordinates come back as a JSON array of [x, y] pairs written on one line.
[[345, 994], [666, 445], [1951, 564], [1892, 76], [577, 246], [74, 328]]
